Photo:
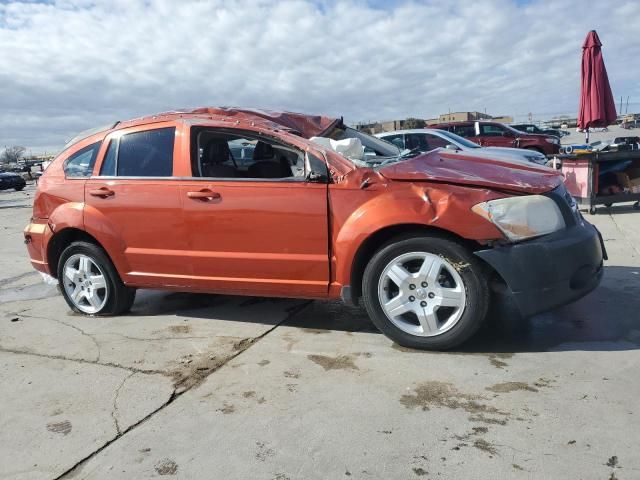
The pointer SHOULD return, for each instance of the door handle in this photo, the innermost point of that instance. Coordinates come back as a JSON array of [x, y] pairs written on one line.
[[205, 195], [102, 192]]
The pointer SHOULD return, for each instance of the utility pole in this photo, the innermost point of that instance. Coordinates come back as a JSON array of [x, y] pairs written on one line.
[[626, 110], [620, 104]]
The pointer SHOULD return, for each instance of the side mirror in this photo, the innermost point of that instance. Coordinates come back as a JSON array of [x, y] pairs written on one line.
[[451, 146], [316, 177]]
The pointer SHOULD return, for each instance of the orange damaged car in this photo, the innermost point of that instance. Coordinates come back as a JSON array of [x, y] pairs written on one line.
[[254, 202]]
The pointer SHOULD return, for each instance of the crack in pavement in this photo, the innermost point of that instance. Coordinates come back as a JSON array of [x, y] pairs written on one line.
[[82, 360], [114, 412], [245, 345], [82, 332]]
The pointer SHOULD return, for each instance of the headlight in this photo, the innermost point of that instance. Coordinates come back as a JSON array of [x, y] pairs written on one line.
[[519, 218], [555, 141]]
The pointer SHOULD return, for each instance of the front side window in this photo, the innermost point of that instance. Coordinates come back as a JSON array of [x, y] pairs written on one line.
[[80, 164], [435, 141], [223, 154], [418, 141], [141, 154], [491, 130]]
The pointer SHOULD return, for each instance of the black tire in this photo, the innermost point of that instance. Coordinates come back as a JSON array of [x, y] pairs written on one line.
[[17, 189], [474, 278], [120, 298]]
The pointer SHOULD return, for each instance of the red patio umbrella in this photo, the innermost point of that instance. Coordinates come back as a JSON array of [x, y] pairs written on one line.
[[597, 108]]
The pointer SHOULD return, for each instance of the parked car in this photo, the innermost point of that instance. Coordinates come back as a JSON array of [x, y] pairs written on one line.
[[11, 180], [420, 239], [630, 142], [630, 124], [532, 128], [428, 139], [494, 134], [592, 129]]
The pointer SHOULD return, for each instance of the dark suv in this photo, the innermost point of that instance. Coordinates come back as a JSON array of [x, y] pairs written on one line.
[[494, 134]]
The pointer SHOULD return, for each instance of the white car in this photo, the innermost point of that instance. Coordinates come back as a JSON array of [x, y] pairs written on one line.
[[425, 139]]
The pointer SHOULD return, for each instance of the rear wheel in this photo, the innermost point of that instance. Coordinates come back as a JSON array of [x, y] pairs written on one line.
[[426, 292], [90, 283]]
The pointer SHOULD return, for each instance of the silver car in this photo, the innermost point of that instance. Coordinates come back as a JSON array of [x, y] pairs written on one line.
[[425, 139]]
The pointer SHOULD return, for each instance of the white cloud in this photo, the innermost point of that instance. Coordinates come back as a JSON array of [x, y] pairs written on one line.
[[73, 64]]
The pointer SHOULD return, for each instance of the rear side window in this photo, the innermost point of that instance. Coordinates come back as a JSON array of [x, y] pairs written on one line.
[[80, 164], [109, 162], [491, 130], [464, 130], [141, 154]]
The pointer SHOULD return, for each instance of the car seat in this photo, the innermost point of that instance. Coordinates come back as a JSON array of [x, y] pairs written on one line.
[[266, 165], [214, 156]]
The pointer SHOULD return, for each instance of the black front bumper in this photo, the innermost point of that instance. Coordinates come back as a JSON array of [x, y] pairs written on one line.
[[550, 271]]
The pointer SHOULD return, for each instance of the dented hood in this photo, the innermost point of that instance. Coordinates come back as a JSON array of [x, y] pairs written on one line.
[[465, 169]]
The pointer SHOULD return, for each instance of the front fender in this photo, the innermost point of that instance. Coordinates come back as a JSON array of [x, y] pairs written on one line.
[[359, 214]]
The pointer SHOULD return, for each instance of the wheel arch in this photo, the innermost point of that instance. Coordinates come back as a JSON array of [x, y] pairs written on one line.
[[385, 235], [63, 238]]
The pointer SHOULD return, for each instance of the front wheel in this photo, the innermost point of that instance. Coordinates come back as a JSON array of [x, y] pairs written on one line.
[[90, 283], [426, 292]]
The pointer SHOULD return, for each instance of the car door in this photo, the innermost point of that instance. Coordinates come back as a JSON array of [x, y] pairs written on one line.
[[495, 135], [133, 207], [251, 234]]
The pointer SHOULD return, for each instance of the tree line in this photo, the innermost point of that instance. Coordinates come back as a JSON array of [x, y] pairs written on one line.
[[12, 154]]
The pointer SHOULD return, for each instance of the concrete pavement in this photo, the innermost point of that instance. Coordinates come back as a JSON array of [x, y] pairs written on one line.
[[205, 386]]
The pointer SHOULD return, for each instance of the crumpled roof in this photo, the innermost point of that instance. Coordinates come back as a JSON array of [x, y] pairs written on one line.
[[304, 125]]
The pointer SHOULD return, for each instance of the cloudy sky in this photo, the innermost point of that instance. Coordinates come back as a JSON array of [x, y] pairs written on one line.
[[68, 65]]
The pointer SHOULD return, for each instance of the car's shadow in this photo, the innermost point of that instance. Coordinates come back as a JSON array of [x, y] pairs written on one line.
[[608, 319]]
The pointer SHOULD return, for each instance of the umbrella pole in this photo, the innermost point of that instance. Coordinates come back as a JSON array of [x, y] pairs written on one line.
[[586, 136]]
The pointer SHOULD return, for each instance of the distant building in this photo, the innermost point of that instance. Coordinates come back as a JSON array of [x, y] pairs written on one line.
[[471, 116], [379, 127], [391, 125]]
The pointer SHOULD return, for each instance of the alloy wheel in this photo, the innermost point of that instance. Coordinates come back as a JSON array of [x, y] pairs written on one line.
[[422, 294], [85, 283]]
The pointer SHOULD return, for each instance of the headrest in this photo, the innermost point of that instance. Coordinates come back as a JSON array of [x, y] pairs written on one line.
[[263, 151]]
